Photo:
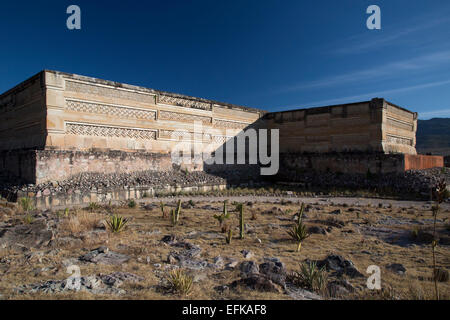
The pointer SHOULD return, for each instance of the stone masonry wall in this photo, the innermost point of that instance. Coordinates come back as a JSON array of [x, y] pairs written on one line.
[[55, 125], [18, 164], [359, 163], [371, 126], [22, 115], [58, 165], [86, 113]]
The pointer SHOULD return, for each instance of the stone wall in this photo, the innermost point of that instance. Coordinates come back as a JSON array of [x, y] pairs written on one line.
[[23, 115], [55, 125], [57, 165], [346, 162], [423, 161], [86, 113], [371, 126], [18, 164], [399, 129]]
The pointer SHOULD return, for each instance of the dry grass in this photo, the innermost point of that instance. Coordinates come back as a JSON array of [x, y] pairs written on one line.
[[267, 237], [80, 221]]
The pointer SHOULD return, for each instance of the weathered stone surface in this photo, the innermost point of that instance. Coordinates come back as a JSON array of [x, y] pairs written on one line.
[[247, 254], [101, 284], [275, 270], [340, 265], [339, 288], [68, 242], [34, 235], [397, 268], [117, 278], [188, 257], [103, 255], [231, 265], [248, 267], [300, 294], [219, 262], [101, 153], [259, 282], [317, 230]]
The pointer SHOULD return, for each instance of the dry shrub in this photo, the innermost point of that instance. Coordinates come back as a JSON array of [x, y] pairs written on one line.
[[80, 221]]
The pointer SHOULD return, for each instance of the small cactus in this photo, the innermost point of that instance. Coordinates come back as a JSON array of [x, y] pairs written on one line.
[[241, 221], [175, 214], [178, 211], [229, 237], [173, 217], [162, 206], [222, 217]]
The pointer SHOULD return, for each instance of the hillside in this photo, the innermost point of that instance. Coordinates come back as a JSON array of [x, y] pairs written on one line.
[[433, 136]]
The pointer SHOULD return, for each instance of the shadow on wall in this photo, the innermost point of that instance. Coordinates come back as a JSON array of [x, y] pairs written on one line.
[[246, 158], [261, 149]]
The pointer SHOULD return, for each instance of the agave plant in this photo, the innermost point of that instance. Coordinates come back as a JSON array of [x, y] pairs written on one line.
[[26, 204], [28, 219], [311, 277], [93, 206], [132, 203], [180, 282], [117, 223], [298, 231]]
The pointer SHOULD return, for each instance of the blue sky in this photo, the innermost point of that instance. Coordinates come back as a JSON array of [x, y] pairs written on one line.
[[274, 55]]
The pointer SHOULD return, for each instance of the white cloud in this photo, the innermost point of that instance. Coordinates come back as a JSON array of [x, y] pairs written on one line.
[[364, 42], [394, 69]]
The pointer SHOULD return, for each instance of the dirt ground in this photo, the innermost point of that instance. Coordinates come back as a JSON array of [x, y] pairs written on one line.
[[365, 232]]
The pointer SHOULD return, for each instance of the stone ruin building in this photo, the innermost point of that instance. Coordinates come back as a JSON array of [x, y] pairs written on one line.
[[56, 125]]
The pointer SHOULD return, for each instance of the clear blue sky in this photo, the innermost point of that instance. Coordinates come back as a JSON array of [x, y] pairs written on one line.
[[274, 55]]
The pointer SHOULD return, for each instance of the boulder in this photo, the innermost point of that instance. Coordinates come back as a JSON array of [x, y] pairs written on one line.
[[340, 266], [257, 282], [339, 288], [275, 270], [317, 230], [101, 284], [397, 268], [247, 254], [37, 234], [68, 242], [248, 268], [103, 255]]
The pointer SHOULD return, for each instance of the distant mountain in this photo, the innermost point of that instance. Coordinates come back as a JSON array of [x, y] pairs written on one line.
[[433, 136]]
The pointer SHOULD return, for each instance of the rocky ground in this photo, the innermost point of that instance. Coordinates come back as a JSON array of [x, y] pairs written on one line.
[[410, 184], [413, 184], [73, 254]]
